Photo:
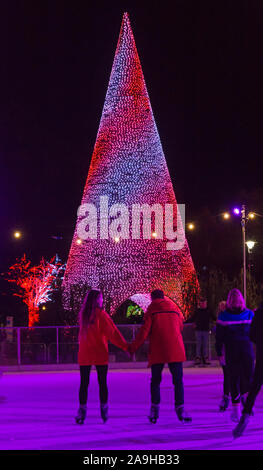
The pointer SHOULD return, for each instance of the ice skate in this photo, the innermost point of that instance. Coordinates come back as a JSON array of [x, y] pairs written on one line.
[[80, 418], [224, 403], [206, 361], [243, 398], [197, 361], [182, 414], [240, 428], [104, 412], [235, 413], [154, 413], [243, 402]]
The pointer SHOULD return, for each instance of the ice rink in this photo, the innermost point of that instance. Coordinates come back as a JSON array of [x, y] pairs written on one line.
[[38, 410]]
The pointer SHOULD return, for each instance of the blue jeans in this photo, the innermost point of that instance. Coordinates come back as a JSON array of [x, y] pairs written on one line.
[[202, 343]]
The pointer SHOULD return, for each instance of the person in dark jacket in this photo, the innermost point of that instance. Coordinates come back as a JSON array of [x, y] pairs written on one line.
[[163, 323], [232, 331], [256, 335], [201, 320]]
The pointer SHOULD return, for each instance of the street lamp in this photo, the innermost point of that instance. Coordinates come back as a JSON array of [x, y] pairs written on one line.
[[250, 245], [243, 225], [17, 234], [244, 218]]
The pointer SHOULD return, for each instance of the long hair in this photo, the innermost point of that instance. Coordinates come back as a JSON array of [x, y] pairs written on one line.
[[235, 300], [87, 310]]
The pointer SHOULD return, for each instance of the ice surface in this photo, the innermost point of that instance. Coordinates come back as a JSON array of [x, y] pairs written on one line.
[[38, 409]]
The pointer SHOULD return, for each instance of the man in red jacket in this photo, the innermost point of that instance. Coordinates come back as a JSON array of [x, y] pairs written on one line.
[[163, 323]]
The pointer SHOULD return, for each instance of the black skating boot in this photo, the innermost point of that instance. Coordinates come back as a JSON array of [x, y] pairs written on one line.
[[104, 412], [235, 413], [243, 398], [197, 361], [82, 411], [206, 361], [154, 413], [240, 428], [224, 403], [182, 414], [243, 402]]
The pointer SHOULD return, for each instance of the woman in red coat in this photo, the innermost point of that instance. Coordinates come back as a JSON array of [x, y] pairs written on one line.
[[96, 329], [163, 323]]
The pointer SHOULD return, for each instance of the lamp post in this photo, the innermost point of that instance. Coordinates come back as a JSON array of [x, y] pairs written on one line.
[[245, 217], [243, 225]]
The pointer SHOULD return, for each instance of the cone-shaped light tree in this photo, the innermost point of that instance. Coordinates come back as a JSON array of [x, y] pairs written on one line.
[[125, 251]]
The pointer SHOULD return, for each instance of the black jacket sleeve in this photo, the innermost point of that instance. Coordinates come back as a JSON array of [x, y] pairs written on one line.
[[253, 329], [220, 339]]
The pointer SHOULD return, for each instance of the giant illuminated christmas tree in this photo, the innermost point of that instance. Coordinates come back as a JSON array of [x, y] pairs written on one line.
[[128, 169]]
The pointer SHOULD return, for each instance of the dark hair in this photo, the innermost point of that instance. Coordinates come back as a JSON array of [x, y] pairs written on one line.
[[157, 294], [87, 311]]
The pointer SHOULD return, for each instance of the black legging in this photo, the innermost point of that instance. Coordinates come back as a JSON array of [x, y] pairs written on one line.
[[240, 363], [226, 384], [255, 386], [84, 383]]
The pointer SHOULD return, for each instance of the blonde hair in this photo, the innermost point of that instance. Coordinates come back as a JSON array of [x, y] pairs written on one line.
[[235, 300]]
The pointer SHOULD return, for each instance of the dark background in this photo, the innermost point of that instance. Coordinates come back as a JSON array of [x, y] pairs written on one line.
[[202, 62]]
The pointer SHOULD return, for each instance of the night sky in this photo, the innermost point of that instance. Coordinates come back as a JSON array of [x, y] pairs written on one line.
[[202, 63]]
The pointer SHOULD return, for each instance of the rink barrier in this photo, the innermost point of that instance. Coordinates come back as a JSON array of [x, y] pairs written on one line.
[[57, 347]]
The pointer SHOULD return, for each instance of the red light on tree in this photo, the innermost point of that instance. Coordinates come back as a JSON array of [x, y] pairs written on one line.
[[36, 283]]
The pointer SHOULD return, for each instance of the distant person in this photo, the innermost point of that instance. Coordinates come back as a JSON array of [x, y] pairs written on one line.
[[232, 332], [201, 320], [163, 323], [256, 335], [2, 338], [226, 383], [96, 329]]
